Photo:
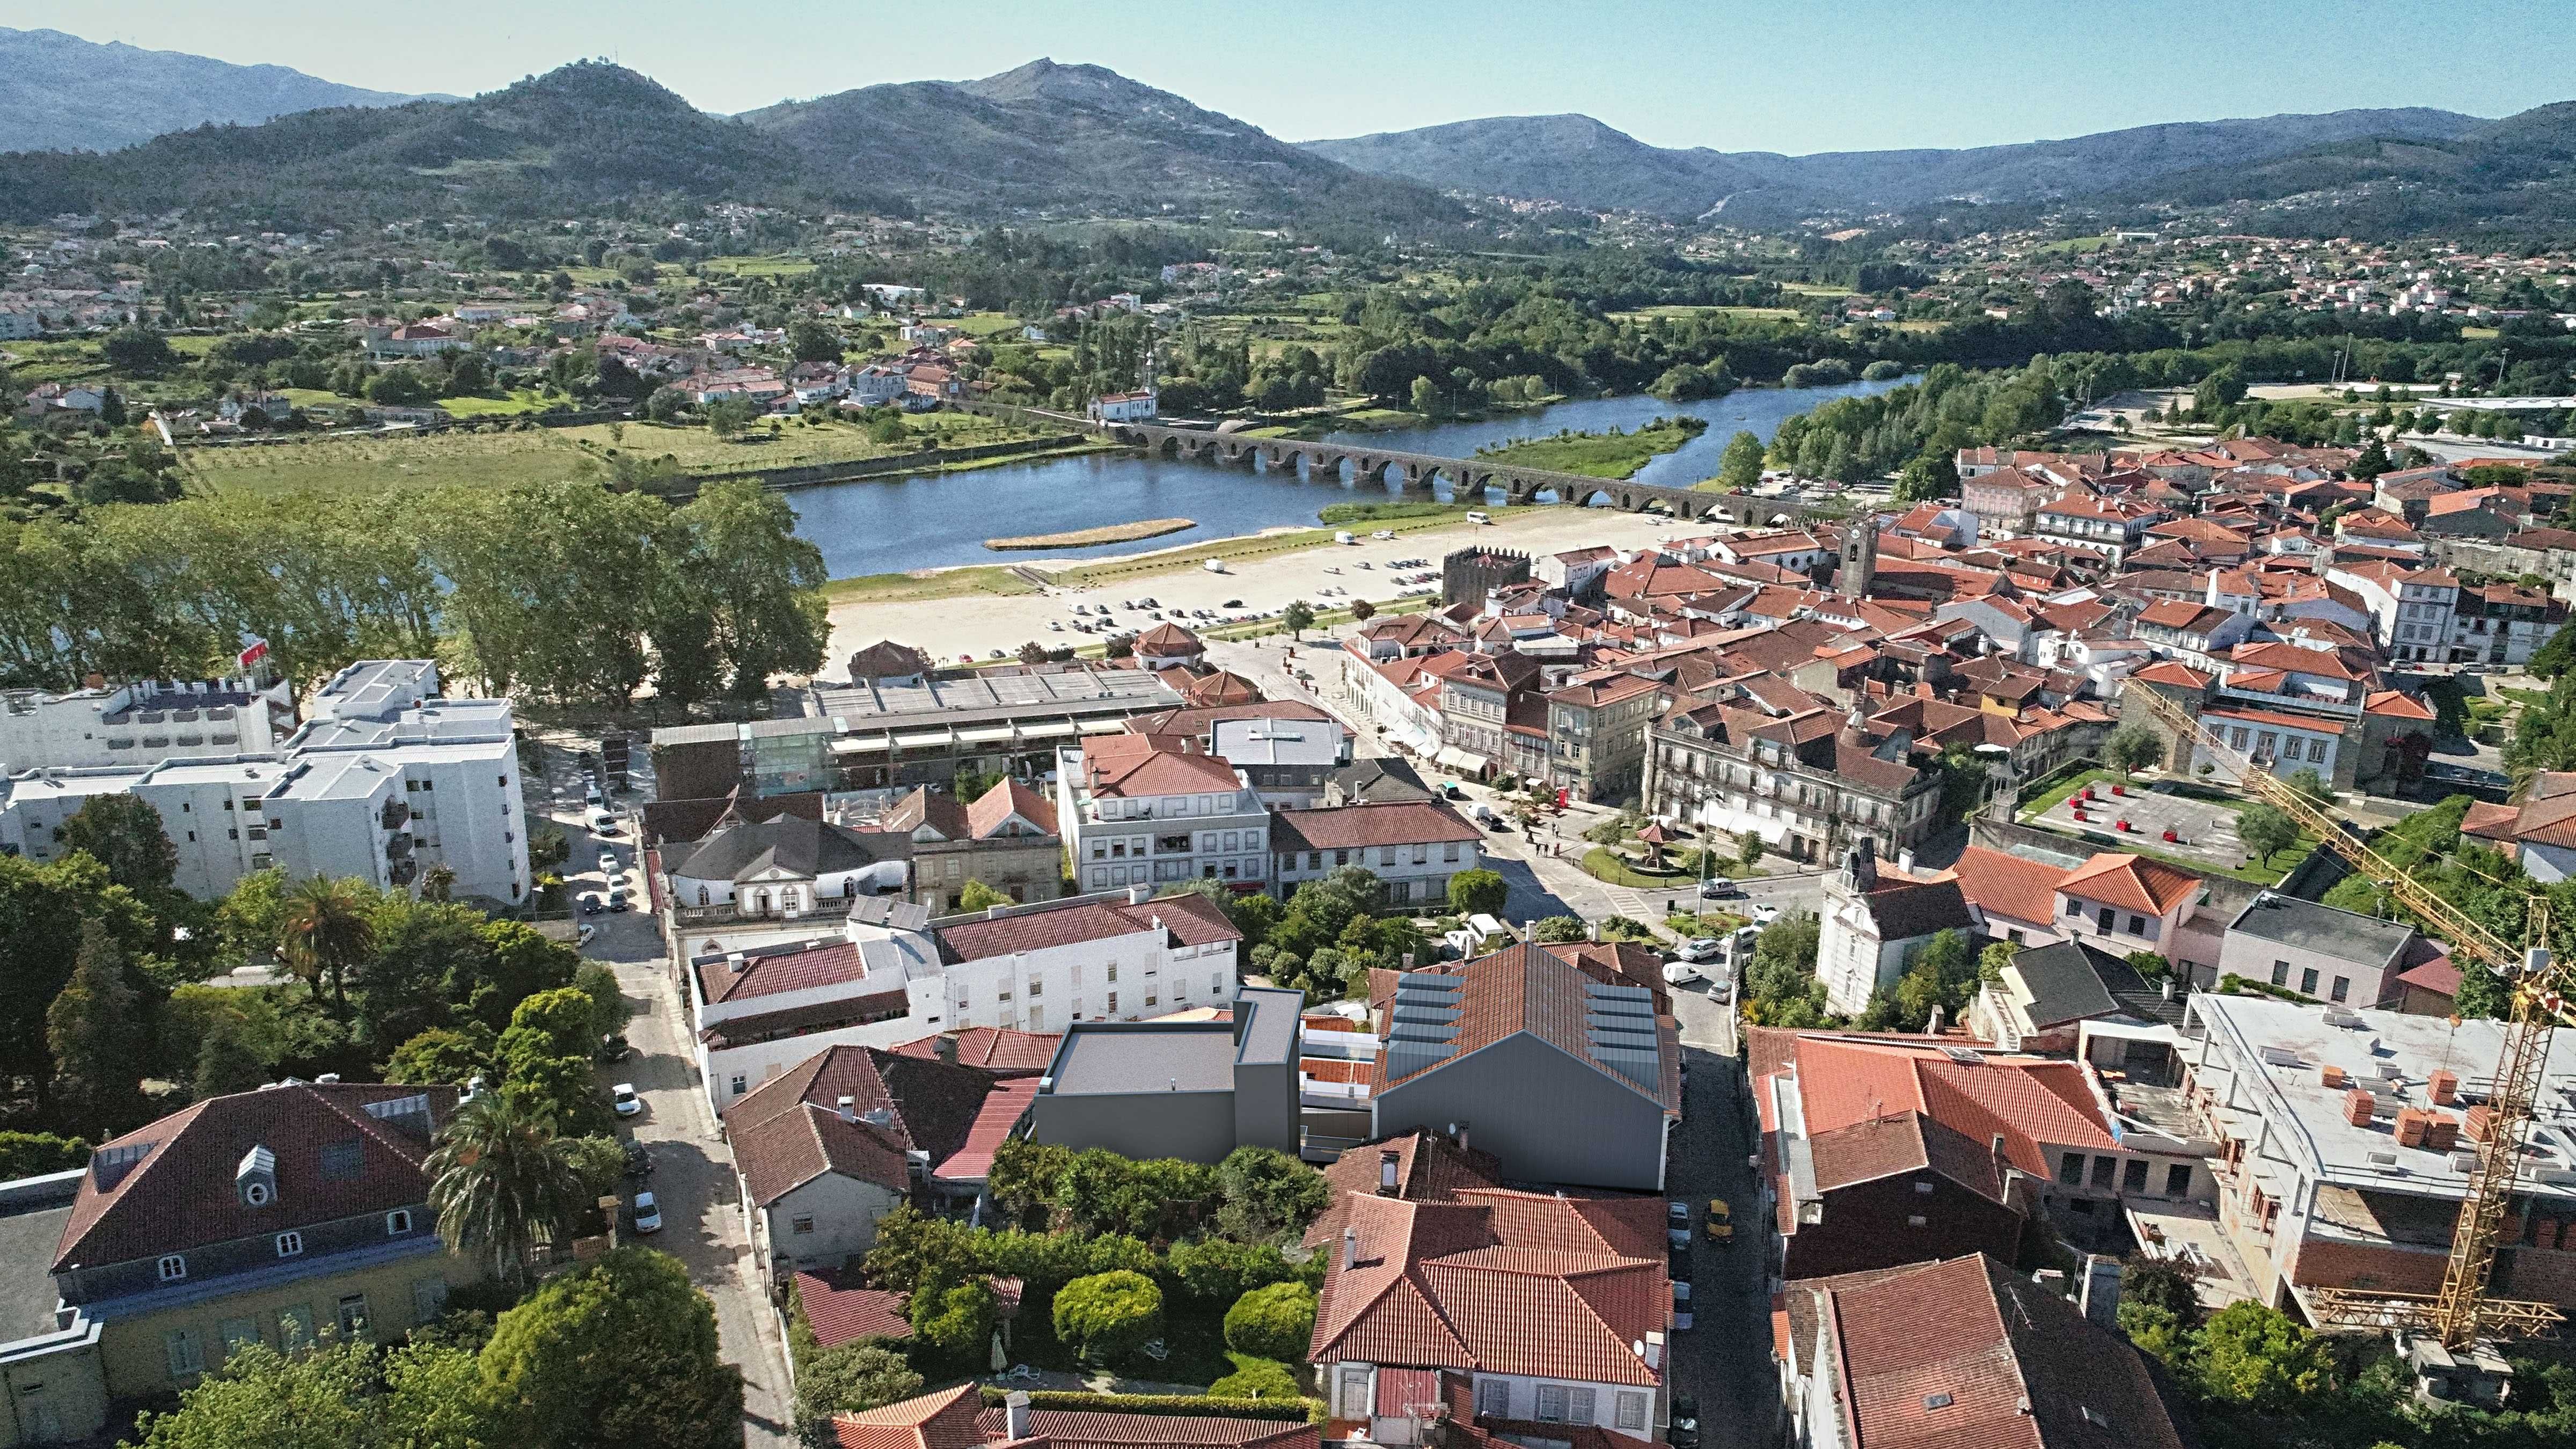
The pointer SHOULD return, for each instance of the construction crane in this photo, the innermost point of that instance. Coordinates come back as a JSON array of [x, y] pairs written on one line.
[[2464, 1311]]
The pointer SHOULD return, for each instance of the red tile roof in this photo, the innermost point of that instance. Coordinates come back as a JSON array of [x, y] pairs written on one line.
[[787, 1131], [1188, 919], [1428, 1168], [181, 1193], [998, 1050], [1499, 1282], [2007, 885], [2032, 1103], [841, 1308], [1968, 1354], [800, 968], [995, 807], [1085, 1429], [2130, 882], [944, 1420], [1345, 827], [1124, 766], [1524, 989]]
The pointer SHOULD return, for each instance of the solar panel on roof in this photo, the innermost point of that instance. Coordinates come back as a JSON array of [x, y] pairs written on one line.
[[1638, 1065], [1404, 1058]]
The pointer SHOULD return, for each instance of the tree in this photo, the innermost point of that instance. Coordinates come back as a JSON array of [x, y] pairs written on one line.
[[34, 1154], [124, 832], [138, 352], [1216, 1270], [501, 1181], [401, 387], [2265, 830], [666, 404], [1477, 892], [1560, 929], [1299, 616], [1268, 1195], [729, 415], [1108, 1315], [1928, 475], [1273, 1322], [620, 1354], [95, 1028], [2552, 658], [1749, 851], [811, 341], [956, 1318], [758, 585], [1740, 466], [978, 896], [2258, 1357], [2224, 388], [1425, 396], [342, 1394], [847, 1379], [1992, 961], [557, 1091], [2310, 786], [326, 930], [439, 1057], [2133, 747]]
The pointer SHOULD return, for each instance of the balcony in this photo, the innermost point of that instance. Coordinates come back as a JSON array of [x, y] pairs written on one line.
[[396, 815], [397, 847], [402, 872]]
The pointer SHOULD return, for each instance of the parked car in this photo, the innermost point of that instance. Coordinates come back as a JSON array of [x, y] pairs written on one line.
[[1683, 1432], [623, 1098], [615, 1048], [1677, 1223], [608, 862], [1681, 1308], [639, 1162], [617, 900], [591, 904], [1681, 973], [1717, 886], [648, 1213], [1699, 948]]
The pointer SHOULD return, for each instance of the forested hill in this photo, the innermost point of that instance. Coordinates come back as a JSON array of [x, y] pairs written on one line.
[[1579, 161], [62, 93], [1075, 140]]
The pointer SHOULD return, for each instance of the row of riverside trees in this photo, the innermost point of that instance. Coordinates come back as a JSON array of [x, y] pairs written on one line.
[[562, 592]]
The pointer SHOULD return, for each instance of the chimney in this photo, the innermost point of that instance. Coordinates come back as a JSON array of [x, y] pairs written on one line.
[[1459, 1132], [1350, 1247], [849, 1109], [1998, 1148], [1905, 861], [1654, 1350], [1386, 1168], [1015, 1415], [944, 1047], [996, 912], [735, 961], [2101, 1293], [1139, 895], [612, 1210], [1932, 1024]]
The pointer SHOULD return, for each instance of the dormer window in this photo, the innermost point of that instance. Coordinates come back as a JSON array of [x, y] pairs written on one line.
[[255, 1178], [255, 1194], [290, 1244], [174, 1266]]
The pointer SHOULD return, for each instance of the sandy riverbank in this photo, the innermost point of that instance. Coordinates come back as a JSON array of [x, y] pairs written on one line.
[[1088, 537], [948, 627]]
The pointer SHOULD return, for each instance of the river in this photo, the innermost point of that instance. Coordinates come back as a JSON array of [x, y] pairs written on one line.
[[890, 525]]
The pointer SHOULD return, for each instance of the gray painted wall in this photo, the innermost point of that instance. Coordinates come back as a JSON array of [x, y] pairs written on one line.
[[1198, 1126], [1548, 1116]]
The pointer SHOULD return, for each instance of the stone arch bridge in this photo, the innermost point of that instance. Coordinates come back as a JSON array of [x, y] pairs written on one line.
[[1420, 472]]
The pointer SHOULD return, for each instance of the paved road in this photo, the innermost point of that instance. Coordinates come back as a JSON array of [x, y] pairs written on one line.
[[1724, 1361], [693, 1176]]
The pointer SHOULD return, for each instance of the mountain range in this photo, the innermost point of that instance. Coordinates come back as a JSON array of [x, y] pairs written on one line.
[[62, 93], [1049, 141], [1581, 162]]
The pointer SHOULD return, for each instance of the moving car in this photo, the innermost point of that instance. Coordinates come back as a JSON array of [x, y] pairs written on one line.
[[648, 1213], [1716, 886], [623, 1098], [1764, 915], [582, 937]]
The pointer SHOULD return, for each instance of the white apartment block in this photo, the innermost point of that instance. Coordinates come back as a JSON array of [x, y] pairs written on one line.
[[1135, 813], [148, 720], [385, 782]]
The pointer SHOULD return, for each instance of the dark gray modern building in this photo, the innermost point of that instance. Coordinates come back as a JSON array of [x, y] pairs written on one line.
[[1563, 1078], [1189, 1089]]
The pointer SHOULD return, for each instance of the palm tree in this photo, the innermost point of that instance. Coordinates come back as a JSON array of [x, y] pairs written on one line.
[[326, 931], [500, 1180]]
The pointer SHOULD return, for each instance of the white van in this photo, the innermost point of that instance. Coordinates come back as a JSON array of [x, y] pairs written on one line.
[[1478, 515]]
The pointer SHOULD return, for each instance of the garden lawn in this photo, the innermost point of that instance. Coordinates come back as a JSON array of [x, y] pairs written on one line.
[[2057, 794], [1604, 864]]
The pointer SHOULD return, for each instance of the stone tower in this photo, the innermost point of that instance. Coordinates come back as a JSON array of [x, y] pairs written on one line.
[[1860, 557]]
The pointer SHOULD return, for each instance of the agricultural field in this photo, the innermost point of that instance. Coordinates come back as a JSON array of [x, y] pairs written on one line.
[[1678, 311], [759, 266], [698, 450], [392, 460]]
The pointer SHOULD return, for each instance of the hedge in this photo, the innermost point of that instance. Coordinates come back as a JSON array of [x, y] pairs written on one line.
[[1303, 1411]]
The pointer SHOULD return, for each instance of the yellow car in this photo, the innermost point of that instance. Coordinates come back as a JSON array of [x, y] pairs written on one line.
[[1721, 1221]]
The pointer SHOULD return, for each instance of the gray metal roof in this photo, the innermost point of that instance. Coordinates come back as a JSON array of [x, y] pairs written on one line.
[[2343, 935], [1109, 1059]]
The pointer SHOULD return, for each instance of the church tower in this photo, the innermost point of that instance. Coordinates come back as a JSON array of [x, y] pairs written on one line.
[[1860, 557]]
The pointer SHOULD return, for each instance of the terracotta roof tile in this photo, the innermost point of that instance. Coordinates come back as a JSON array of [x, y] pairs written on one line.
[[1188, 919], [841, 1308]]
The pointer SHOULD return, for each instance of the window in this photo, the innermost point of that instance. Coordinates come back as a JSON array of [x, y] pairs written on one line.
[[1494, 1398], [1923, 1188], [2280, 973], [2103, 1167], [2070, 1169], [1578, 1406], [2308, 982], [1449, 851], [2074, 907], [2137, 925], [295, 1325], [289, 1244], [1113, 973], [1551, 1403], [397, 1222], [803, 1223], [1632, 1411], [740, 1083], [2342, 989], [2133, 1176], [1036, 989], [428, 1299], [353, 1314], [187, 1356], [235, 1332], [174, 1267], [2178, 1180], [1113, 1003]]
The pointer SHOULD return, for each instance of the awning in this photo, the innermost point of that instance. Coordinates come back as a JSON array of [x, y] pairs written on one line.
[[1047, 729], [1465, 763], [984, 735], [925, 740], [1104, 726], [861, 745]]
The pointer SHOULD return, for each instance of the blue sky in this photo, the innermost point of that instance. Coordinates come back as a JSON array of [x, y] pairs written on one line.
[[1794, 77]]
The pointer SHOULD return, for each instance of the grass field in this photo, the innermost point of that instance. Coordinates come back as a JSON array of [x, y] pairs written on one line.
[[1679, 311], [522, 401], [760, 266], [986, 324], [1595, 455], [2077, 246], [698, 450], [1814, 289], [393, 460], [944, 584]]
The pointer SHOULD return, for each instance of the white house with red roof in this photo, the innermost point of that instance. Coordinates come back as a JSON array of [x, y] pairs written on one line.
[[958, 1419], [1413, 847], [1135, 810]]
